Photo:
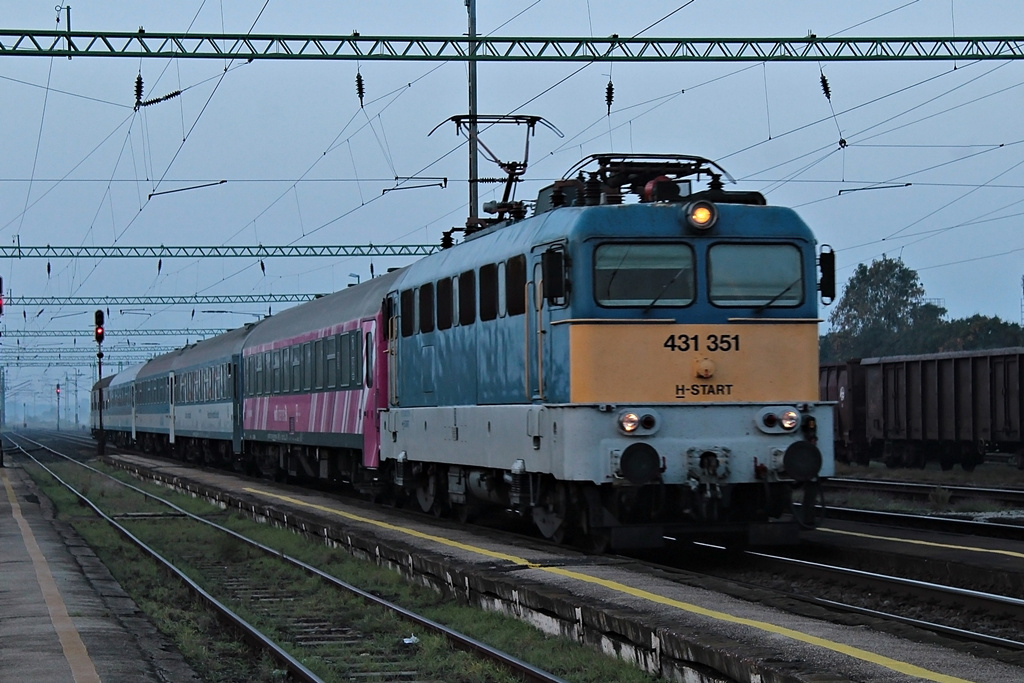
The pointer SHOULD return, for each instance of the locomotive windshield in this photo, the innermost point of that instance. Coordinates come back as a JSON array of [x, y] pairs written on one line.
[[638, 274], [755, 275]]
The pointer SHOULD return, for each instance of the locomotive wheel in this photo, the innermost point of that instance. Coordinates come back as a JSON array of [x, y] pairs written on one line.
[[431, 494], [597, 540], [466, 512], [426, 494], [812, 506], [552, 515]]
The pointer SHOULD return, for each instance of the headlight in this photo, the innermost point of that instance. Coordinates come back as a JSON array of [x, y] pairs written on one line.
[[701, 215], [628, 422], [789, 419]]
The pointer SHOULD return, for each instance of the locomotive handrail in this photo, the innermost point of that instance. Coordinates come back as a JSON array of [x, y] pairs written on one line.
[[613, 321], [776, 320]]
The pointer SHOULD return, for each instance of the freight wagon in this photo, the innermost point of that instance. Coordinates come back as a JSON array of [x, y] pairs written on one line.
[[907, 410]]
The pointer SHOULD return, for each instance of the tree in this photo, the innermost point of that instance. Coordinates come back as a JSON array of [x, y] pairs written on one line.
[[981, 332], [883, 312], [879, 306]]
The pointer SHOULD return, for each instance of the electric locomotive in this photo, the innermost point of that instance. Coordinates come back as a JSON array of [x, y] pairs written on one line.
[[618, 371]]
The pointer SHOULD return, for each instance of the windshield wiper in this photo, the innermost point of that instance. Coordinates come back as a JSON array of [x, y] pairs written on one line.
[[778, 296], [665, 288]]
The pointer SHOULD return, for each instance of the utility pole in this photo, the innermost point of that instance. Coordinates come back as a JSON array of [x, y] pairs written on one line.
[[58, 406], [474, 174]]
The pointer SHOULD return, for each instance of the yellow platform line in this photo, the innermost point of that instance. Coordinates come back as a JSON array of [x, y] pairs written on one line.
[[77, 656], [932, 544], [842, 648]]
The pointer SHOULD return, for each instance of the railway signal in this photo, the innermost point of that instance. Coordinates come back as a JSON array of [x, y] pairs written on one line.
[[101, 437]]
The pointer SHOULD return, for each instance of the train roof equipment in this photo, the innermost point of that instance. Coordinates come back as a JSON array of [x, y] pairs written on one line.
[[608, 178]]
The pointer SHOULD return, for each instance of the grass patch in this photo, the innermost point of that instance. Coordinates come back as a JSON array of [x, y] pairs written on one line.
[[200, 636], [198, 633]]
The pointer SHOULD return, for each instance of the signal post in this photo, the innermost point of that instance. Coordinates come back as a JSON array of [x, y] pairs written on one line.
[[101, 439]]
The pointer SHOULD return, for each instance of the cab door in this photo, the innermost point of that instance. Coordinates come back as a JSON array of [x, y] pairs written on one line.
[[547, 289]]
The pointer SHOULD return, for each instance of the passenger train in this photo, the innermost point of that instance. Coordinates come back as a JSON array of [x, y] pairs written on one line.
[[636, 359]]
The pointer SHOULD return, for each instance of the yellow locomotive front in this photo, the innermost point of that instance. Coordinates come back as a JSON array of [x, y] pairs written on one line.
[[689, 401]]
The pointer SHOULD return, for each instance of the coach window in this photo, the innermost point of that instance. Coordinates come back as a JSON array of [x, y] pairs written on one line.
[[286, 369], [408, 313], [644, 275], [427, 307], [331, 346], [444, 303], [266, 384], [318, 364], [369, 359], [515, 285], [344, 349], [759, 275], [307, 366], [467, 298], [355, 371], [488, 292], [276, 360], [296, 368]]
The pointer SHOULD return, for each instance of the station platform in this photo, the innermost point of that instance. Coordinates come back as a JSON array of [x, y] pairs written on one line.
[[62, 616]]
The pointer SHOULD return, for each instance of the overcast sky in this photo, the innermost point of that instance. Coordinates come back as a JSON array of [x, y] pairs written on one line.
[[304, 164]]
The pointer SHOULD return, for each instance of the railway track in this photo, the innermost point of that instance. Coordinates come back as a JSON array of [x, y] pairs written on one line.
[[922, 604], [313, 624], [884, 598], [1012, 497]]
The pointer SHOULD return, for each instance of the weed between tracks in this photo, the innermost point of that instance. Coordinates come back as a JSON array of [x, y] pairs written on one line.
[[220, 656]]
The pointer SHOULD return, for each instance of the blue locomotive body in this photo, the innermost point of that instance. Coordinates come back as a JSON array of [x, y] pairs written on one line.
[[616, 372]]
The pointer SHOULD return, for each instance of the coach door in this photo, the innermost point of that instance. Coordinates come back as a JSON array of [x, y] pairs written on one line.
[[391, 314], [170, 402], [235, 382]]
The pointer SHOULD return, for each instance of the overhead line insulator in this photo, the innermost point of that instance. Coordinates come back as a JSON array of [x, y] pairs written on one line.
[[138, 92], [360, 88], [824, 87]]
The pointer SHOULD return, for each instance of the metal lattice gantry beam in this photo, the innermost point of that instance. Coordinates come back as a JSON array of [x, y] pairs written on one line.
[[122, 361], [259, 251], [111, 332], [74, 351], [144, 43], [193, 299]]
